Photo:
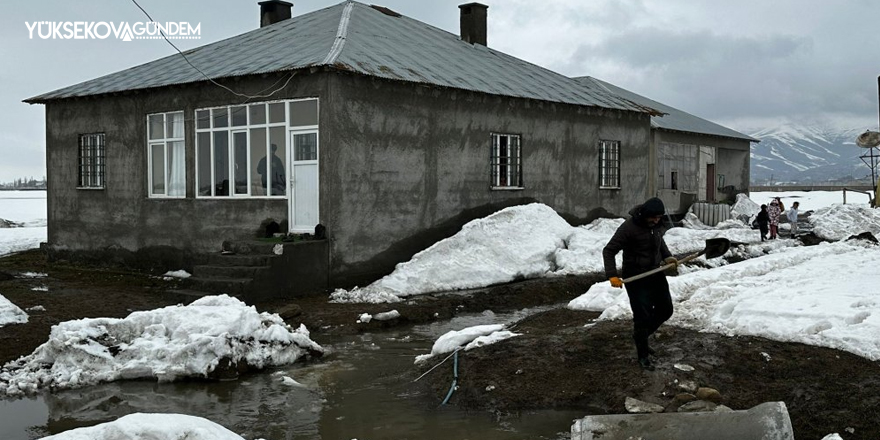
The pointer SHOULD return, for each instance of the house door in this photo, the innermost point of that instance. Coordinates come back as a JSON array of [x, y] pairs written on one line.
[[303, 195], [710, 182]]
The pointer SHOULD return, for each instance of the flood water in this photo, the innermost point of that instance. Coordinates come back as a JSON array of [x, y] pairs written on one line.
[[362, 389]]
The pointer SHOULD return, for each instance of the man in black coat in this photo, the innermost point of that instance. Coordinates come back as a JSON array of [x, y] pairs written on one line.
[[641, 240]]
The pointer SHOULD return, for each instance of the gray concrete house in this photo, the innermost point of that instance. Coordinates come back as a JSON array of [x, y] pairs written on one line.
[[386, 131], [692, 159]]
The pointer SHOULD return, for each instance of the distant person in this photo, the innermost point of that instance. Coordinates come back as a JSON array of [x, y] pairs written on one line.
[[277, 171], [781, 205], [763, 220], [641, 240], [774, 211], [792, 215]]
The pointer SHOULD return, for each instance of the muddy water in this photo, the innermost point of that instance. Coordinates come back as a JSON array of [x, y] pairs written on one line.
[[362, 390]]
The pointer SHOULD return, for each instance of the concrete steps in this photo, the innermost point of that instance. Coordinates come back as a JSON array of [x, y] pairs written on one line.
[[235, 271]]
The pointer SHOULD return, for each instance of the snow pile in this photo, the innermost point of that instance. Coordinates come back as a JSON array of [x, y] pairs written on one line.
[[10, 313], [533, 241], [691, 221], [839, 222], [469, 338], [153, 427], [584, 251], [176, 274], [513, 243], [167, 343], [745, 209], [825, 295]]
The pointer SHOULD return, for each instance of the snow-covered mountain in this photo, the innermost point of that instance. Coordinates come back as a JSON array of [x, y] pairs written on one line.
[[807, 152]]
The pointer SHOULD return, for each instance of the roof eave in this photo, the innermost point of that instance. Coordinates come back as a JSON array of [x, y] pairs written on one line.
[[743, 138]]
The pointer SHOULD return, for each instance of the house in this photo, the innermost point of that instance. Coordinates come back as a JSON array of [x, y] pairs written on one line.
[[692, 159], [386, 131]]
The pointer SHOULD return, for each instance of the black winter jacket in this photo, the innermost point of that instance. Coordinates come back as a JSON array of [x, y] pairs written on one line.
[[643, 247]]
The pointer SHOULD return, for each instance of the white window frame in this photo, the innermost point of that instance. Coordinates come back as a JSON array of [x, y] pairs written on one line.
[[167, 143], [231, 147], [609, 164], [91, 159], [502, 174]]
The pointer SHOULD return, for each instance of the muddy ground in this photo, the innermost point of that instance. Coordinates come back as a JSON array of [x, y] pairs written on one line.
[[560, 360]]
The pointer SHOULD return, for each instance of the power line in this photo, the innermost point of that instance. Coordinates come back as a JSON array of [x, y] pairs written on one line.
[[248, 97]]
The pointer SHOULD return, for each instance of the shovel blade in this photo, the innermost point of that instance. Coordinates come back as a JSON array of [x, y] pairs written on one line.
[[716, 247]]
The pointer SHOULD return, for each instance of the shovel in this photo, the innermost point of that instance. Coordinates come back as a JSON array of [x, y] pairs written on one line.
[[715, 247]]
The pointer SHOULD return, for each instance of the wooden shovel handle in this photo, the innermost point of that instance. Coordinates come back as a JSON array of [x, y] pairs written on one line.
[[663, 267]]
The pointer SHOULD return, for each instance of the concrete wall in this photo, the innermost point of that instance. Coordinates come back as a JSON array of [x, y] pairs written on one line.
[[404, 166], [120, 223], [731, 159], [401, 166]]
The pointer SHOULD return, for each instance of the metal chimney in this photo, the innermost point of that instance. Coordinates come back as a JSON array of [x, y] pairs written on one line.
[[473, 22], [273, 11]]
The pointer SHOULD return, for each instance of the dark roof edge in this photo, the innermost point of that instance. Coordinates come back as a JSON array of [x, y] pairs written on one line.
[[336, 68], [744, 138]]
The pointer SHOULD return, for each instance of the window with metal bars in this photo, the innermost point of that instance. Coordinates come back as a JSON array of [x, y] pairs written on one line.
[[91, 161], [506, 161], [609, 164]]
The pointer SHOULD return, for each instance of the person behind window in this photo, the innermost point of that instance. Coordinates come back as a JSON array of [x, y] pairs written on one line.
[[276, 171]]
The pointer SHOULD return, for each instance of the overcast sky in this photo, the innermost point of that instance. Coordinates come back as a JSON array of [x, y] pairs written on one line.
[[747, 64]]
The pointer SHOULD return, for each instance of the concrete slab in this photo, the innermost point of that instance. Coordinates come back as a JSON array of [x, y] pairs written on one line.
[[767, 421]]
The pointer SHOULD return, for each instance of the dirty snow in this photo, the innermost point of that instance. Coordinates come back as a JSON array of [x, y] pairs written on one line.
[[826, 295], [467, 339], [177, 274], [10, 313], [838, 222], [165, 344], [532, 241], [513, 243], [151, 426]]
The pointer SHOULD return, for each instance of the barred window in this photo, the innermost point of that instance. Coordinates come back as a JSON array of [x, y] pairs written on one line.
[[91, 161], [506, 161], [609, 164]]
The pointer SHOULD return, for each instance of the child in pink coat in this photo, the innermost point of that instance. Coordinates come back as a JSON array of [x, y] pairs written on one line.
[[774, 211]]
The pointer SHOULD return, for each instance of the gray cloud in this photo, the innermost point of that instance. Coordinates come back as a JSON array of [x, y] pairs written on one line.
[[725, 60]]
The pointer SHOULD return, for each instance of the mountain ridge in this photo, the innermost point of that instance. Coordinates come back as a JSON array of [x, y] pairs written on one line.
[[807, 153]]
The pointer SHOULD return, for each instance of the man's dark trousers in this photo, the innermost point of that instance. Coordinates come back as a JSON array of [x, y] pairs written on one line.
[[651, 306]]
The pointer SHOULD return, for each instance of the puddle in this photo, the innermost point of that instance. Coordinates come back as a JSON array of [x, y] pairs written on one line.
[[363, 389]]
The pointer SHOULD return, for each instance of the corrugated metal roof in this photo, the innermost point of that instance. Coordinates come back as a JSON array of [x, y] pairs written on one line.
[[358, 38], [673, 119]]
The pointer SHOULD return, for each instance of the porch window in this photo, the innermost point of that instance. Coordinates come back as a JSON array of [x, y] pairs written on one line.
[[609, 164], [166, 155], [241, 150], [91, 161], [506, 162]]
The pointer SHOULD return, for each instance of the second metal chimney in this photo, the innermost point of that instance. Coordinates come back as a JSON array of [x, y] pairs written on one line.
[[273, 11], [473, 22]]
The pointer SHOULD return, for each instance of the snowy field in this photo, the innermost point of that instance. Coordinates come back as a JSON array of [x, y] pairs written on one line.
[[27, 210], [811, 200], [825, 295]]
